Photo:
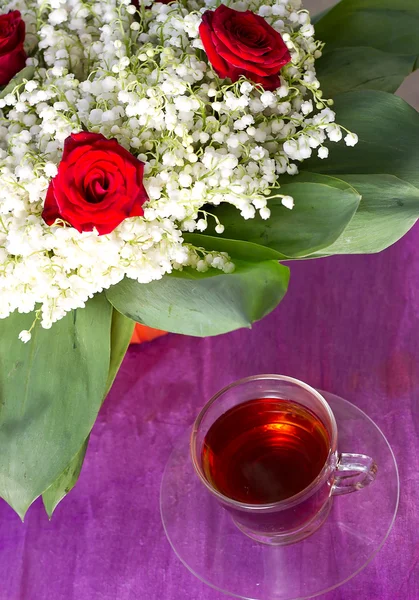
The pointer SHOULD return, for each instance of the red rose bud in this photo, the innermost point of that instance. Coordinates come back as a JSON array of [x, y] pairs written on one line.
[[98, 184], [242, 43], [12, 55]]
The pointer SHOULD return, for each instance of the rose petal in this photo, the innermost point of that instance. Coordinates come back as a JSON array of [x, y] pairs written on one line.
[[11, 64], [76, 140], [12, 32], [270, 83], [229, 31], [12, 54], [238, 62], [205, 33], [50, 212]]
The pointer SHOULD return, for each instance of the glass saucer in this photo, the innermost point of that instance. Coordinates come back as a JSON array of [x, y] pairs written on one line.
[[208, 543]]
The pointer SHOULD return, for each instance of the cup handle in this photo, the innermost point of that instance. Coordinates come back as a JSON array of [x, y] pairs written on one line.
[[358, 471]]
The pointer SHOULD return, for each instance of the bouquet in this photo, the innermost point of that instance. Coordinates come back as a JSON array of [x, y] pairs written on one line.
[[158, 163]]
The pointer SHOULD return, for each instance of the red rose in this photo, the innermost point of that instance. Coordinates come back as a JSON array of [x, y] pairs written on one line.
[[242, 43], [12, 55], [98, 184]]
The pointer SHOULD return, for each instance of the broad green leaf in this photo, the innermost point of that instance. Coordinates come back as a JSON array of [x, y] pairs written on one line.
[[388, 209], [26, 73], [370, 44], [323, 208], [388, 25], [64, 482], [348, 69], [121, 332], [50, 391], [239, 249], [202, 304], [388, 131]]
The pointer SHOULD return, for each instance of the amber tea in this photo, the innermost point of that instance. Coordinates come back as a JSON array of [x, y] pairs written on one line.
[[264, 450]]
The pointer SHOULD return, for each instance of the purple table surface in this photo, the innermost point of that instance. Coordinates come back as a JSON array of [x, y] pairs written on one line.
[[349, 325]]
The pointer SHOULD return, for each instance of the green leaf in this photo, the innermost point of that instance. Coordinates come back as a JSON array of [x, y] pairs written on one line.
[[121, 333], [239, 249], [64, 482], [50, 392], [204, 304], [388, 209], [346, 69], [388, 130], [26, 73], [386, 25], [382, 167], [370, 44], [323, 208]]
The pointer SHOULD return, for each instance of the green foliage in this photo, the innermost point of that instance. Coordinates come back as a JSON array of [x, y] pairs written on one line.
[[388, 209], [50, 392], [121, 332], [349, 69], [24, 74], [323, 208], [382, 24], [65, 481], [370, 44], [240, 249], [361, 200], [204, 304], [382, 167], [388, 131]]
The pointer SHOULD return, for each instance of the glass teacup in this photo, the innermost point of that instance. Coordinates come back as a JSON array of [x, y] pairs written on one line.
[[267, 448]]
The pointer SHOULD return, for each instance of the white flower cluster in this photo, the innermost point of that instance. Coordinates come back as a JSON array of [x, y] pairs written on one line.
[[139, 74]]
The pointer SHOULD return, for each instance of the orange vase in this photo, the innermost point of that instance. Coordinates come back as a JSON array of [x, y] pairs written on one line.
[[142, 333]]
